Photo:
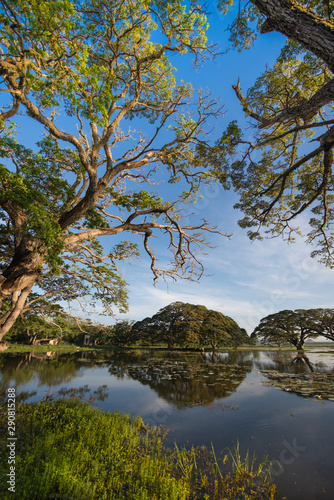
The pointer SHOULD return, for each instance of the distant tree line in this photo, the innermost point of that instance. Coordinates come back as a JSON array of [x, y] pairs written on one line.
[[176, 325]]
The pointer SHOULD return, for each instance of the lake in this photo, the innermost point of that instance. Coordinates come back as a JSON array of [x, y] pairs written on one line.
[[221, 398]]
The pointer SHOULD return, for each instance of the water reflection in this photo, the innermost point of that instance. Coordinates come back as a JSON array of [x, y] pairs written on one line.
[[19, 369], [290, 362], [187, 392], [181, 379], [184, 380], [299, 374]]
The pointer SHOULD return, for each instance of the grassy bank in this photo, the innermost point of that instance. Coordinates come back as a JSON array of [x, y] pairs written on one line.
[[67, 449], [17, 348], [13, 348]]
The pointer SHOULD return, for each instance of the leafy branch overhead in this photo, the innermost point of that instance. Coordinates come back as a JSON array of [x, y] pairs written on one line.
[[88, 75], [283, 168]]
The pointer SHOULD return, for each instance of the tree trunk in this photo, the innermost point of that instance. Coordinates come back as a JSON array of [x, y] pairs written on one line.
[[300, 344], [18, 302], [3, 346], [298, 23], [32, 340], [16, 283], [214, 345]]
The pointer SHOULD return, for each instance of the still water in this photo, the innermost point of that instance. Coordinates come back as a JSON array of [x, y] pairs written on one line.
[[221, 398]]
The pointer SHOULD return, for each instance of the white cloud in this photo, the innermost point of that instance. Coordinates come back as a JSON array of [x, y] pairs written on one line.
[[247, 282]]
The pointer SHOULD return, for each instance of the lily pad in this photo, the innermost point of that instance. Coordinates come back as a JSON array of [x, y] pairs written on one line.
[[316, 385]]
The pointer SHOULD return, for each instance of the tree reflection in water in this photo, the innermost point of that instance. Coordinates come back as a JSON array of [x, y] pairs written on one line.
[[290, 362], [185, 380], [181, 379], [298, 374], [19, 369]]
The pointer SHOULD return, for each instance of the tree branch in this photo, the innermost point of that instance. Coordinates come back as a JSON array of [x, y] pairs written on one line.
[[301, 24]]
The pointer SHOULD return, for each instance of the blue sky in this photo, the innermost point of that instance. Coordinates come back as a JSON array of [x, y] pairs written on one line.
[[245, 280]]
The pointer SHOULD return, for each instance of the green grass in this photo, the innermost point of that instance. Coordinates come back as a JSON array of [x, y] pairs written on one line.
[[17, 348], [67, 449]]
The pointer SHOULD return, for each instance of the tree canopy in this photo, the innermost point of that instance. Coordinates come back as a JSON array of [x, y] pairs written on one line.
[[295, 327], [87, 75], [189, 325], [285, 168]]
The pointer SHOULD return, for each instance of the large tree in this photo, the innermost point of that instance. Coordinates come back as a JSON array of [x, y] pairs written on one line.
[[295, 327], [189, 325], [220, 330], [176, 324], [79, 71], [284, 168]]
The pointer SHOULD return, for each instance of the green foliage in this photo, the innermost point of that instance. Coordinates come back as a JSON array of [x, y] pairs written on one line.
[[37, 189], [221, 330], [88, 36], [295, 327], [29, 329], [189, 325], [63, 348], [137, 201], [278, 172], [46, 320], [70, 449], [122, 334], [243, 29]]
